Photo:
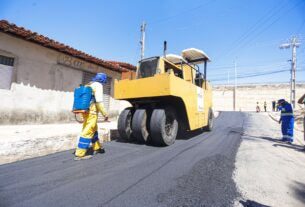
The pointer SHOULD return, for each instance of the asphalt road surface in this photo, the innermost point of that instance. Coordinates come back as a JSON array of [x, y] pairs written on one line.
[[195, 171]]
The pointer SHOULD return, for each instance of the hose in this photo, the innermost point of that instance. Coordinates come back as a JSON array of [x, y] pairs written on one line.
[[79, 118]]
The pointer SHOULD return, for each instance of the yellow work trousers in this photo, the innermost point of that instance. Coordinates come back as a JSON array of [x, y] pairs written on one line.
[[88, 135]]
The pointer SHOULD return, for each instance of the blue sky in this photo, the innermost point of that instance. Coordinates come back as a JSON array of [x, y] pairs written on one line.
[[248, 31]]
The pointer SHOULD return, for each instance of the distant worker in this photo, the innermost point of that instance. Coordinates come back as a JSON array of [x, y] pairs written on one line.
[[302, 101], [89, 132], [287, 120], [265, 106], [273, 105], [258, 109]]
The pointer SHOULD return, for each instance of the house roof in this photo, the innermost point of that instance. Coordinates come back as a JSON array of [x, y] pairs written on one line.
[[28, 35]]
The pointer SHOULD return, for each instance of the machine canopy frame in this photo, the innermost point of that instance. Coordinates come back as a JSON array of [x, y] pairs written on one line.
[[195, 56]]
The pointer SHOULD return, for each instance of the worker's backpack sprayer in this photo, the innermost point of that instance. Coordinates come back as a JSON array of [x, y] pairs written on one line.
[[83, 97]]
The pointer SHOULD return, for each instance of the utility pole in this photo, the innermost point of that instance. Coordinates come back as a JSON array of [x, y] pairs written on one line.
[[234, 91], [294, 44], [142, 42]]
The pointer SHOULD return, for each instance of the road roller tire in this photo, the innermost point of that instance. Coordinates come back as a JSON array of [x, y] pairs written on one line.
[[210, 125], [163, 126], [139, 125], [124, 124]]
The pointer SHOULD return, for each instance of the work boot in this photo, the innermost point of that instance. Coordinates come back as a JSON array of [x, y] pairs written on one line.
[[86, 157], [99, 151], [289, 141]]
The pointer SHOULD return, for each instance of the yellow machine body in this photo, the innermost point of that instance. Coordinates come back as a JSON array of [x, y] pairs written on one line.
[[172, 84]]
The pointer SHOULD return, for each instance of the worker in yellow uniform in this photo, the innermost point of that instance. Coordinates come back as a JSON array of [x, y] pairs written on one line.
[[89, 134]]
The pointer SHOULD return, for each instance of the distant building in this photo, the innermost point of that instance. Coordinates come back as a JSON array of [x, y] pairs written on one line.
[[38, 76]]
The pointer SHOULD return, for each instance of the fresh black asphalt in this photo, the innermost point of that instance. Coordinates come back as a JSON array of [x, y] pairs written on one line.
[[195, 171]]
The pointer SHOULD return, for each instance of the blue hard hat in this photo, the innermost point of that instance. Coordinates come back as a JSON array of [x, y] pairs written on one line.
[[281, 101], [100, 77]]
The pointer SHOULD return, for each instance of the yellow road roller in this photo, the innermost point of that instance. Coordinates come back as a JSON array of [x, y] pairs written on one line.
[[168, 96]]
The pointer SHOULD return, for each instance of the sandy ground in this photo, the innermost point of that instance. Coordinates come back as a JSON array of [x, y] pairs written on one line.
[[268, 171], [19, 142]]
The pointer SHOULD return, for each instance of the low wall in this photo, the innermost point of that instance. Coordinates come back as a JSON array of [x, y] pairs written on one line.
[[248, 95], [19, 142], [25, 104]]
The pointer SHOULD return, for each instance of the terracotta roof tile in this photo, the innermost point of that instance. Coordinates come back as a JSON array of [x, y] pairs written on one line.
[[44, 41]]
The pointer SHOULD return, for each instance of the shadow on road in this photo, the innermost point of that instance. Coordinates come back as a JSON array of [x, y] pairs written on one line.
[[279, 143], [183, 136], [299, 191], [291, 146], [189, 134], [271, 139], [249, 203]]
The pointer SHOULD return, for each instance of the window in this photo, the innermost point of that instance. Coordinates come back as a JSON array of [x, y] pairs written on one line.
[[148, 67], [6, 71], [178, 72], [9, 61], [199, 79]]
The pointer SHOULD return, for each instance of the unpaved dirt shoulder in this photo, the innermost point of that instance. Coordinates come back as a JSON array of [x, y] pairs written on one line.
[[269, 172]]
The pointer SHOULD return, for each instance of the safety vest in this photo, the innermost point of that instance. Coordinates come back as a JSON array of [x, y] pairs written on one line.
[[286, 110]]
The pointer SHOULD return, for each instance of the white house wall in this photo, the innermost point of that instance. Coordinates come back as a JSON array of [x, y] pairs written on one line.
[[44, 82]]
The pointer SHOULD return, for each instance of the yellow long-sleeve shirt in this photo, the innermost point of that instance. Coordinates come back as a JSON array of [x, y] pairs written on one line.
[[98, 105]]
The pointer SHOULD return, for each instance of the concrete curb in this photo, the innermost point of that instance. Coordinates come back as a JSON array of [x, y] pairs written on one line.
[[21, 142]]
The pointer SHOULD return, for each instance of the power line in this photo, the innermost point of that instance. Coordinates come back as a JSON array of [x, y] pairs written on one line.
[[272, 23], [254, 75], [302, 25], [252, 72], [220, 69], [259, 23], [259, 32], [180, 13], [241, 74], [251, 64], [262, 27], [302, 51]]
